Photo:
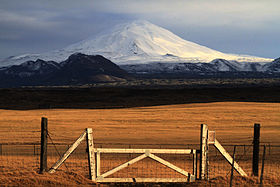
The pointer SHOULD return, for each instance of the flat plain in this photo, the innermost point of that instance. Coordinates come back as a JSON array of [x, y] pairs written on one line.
[[167, 124]]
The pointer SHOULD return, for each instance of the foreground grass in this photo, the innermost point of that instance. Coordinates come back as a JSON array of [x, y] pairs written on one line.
[[23, 171], [15, 171]]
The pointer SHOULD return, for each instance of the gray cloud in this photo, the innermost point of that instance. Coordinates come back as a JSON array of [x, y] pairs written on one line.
[[250, 13], [237, 26]]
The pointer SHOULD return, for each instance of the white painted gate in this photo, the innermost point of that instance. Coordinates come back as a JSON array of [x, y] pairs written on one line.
[[145, 153], [94, 160]]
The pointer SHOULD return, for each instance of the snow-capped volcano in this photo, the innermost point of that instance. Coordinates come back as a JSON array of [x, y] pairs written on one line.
[[137, 42]]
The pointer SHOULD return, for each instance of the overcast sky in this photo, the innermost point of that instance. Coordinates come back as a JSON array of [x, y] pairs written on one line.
[[233, 26]]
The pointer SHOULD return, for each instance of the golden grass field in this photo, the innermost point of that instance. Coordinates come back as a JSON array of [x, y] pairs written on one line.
[[170, 124]]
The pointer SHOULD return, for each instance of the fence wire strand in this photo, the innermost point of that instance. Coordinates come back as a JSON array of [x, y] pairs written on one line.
[[146, 168], [48, 133]]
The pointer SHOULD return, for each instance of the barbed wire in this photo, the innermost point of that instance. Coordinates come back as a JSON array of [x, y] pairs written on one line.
[[48, 133], [62, 136]]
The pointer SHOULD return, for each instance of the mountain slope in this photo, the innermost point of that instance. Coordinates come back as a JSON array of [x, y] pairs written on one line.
[[28, 73], [137, 42], [81, 69], [274, 66], [216, 66], [77, 69]]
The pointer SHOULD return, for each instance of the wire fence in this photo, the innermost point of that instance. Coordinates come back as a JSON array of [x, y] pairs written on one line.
[[23, 155], [16, 156]]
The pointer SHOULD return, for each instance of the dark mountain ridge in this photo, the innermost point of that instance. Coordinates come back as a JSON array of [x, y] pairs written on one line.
[[77, 69], [217, 66]]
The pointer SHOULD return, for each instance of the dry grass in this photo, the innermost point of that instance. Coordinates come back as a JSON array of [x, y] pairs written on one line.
[[172, 124], [233, 122], [23, 171]]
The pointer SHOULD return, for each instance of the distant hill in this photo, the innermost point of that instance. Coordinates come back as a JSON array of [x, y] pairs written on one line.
[[274, 66], [77, 69], [217, 68]]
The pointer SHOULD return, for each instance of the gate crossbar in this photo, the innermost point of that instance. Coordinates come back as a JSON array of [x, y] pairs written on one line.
[[168, 164], [145, 153], [155, 151], [124, 165]]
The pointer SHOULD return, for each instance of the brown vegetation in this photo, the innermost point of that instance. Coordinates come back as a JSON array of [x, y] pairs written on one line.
[[172, 124]]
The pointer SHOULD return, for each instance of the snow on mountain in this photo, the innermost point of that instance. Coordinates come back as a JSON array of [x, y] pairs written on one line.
[[224, 65], [137, 42], [77, 69], [274, 66], [217, 65], [31, 68]]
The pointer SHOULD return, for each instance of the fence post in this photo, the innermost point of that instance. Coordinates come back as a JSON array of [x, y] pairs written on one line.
[[232, 166], [194, 164], [91, 155], [44, 140], [263, 159], [203, 151], [256, 148], [196, 158]]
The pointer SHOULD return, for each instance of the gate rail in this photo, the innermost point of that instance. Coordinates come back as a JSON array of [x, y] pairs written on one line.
[[144, 154]]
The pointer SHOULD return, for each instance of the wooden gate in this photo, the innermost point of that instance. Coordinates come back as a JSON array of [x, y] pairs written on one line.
[[145, 153], [94, 160]]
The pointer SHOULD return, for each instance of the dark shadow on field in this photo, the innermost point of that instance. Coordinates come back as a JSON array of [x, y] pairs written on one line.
[[125, 97]]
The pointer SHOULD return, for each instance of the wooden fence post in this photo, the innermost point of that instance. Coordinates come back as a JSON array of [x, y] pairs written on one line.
[[203, 151], [44, 141], [232, 166], [256, 148], [263, 159], [194, 164], [91, 155]]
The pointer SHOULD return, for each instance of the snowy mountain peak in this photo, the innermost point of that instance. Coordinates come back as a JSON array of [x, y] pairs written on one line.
[[138, 42], [141, 42]]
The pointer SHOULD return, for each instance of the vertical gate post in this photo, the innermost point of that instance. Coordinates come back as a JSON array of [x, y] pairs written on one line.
[[44, 141], [256, 148], [97, 164], [91, 155], [203, 152], [195, 165]]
